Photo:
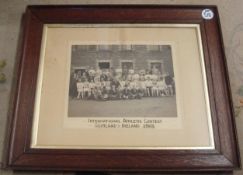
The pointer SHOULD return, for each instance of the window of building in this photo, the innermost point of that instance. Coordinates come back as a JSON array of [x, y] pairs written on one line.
[[153, 47], [156, 47], [104, 47], [156, 67], [104, 65], [127, 65], [126, 47], [92, 47]]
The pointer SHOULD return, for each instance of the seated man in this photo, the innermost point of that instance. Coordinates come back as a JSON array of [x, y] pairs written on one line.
[[80, 89], [92, 90], [117, 86], [162, 88], [155, 89], [115, 82], [113, 94], [134, 94], [104, 94], [122, 83], [126, 92], [87, 89], [148, 84]]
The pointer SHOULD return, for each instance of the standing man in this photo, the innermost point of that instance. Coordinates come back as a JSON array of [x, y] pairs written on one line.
[[169, 83]]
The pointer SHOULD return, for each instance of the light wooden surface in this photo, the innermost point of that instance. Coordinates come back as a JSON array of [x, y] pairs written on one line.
[[232, 27]]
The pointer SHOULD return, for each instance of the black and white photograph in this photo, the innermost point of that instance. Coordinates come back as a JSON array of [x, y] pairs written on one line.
[[122, 81]]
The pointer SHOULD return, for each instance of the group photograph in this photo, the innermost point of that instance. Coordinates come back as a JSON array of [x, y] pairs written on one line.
[[122, 81]]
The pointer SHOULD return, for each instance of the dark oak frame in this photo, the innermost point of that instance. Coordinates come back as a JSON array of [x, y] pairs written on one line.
[[21, 157]]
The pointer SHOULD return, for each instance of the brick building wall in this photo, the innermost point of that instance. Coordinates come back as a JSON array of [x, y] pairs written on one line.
[[140, 55]]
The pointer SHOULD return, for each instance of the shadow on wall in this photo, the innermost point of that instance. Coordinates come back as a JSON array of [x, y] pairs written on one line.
[[236, 53], [2, 75]]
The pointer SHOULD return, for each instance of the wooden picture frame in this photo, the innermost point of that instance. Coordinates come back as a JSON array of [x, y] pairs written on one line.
[[20, 154]]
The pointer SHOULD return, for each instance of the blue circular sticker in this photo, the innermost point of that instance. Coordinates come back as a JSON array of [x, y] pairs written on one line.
[[207, 14]]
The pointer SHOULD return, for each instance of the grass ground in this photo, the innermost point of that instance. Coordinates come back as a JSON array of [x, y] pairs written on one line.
[[145, 107]]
